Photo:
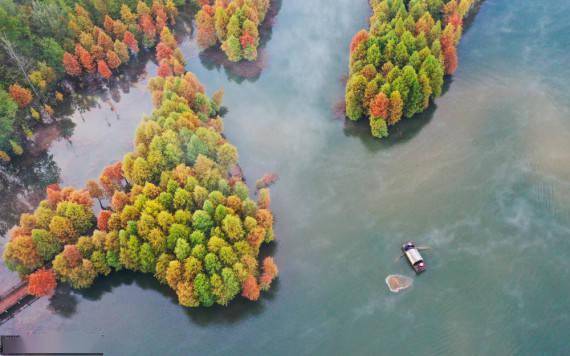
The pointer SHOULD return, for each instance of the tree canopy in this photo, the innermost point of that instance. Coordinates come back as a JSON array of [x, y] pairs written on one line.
[[170, 208], [397, 66], [234, 24]]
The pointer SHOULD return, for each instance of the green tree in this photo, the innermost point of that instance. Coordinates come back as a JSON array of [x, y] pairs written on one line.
[[8, 109], [204, 290], [354, 97], [147, 259], [182, 249]]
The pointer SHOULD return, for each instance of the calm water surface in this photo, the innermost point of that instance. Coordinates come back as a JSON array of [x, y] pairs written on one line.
[[483, 179]]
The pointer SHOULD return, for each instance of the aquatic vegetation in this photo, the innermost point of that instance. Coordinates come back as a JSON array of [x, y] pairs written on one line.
[[171, 208], [397, 66], [233, 23]]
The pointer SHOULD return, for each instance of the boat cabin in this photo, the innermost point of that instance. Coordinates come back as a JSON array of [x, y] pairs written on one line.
[[414, 257]]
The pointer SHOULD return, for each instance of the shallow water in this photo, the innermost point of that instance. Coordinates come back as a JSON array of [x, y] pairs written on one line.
[[483, 179]]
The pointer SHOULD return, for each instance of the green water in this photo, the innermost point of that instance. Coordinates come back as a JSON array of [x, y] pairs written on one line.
[[483, 179]]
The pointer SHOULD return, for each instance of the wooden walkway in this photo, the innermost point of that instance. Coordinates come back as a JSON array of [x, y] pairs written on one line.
[[13, 300]]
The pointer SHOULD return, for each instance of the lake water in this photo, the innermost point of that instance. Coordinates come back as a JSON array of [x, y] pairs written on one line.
[[483, 179]]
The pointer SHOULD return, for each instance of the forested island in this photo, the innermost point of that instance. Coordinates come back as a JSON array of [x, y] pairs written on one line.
[[171, 207], [232, 23], [398, 65]]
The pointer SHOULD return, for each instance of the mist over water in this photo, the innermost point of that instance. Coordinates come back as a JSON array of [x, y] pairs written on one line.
[[483, 179]]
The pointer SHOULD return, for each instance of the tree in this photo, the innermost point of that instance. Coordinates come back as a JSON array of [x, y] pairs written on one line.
[[354, 97], [231, 286], [413, 102], [202, 221], [263, 198], [432, 68], [84, 58], [220, 23], [8, 109], [204, 290], [182, 249], [63, 229], [103, 220], [103, 69], [163, 51], [205, 25], [46, 244], [232, 227], [232, 48], [20, 95], [71, 64], [360, 37], [164, 69], [450, 59], [380, 106], [270, 271], [227, 155], [396, 107], [113, 59], [131, 42], [378, 127], [250, 288], [174, 273], [108, 24], [21, 256], [122, 51], [104, 41], [147, 259], [42, 282], [186, 295], [168, 39]]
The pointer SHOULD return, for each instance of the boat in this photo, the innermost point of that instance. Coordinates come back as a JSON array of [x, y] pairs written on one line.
[[414, 257]]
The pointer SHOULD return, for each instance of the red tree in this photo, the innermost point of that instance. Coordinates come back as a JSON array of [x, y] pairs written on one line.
[[205, 26], [379, 106], [270, 271], [455, 19], [84, 58], [71, 64], [41, 282], [147, 26], [450, 59], [246, 40], [163, 52], [103, 219], [130, 40], [103, 69], [164, 69], [361, 36], [104, 41], [53, 192], [113, 60], [72, 255], [177, 67], [108, 24], [20, 95], [111, 178], [250, 288]]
